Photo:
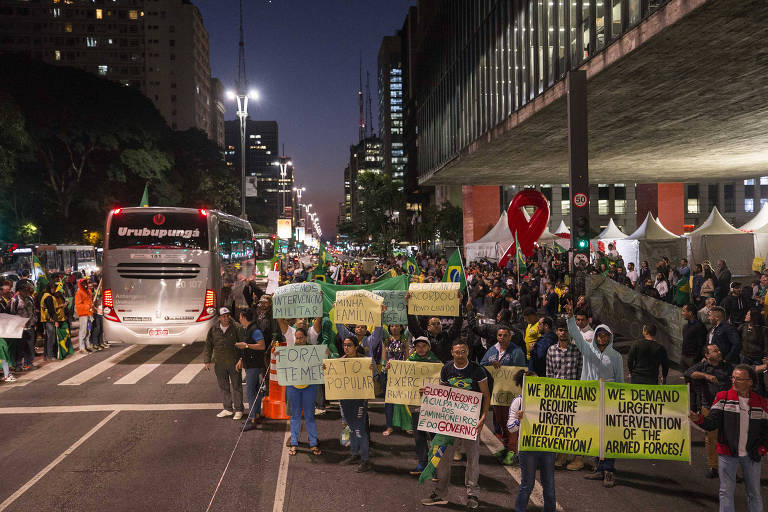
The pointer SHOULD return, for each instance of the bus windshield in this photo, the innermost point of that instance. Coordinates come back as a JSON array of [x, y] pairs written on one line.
[[165, 230]]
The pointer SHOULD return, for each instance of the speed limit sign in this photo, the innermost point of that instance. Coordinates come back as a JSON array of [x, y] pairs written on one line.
[[580, 200]]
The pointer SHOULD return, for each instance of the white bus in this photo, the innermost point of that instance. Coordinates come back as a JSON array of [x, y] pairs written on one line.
[[167, 271]]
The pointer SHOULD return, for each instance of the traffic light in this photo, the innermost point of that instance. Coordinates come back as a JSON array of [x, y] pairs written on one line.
[[580, 234]]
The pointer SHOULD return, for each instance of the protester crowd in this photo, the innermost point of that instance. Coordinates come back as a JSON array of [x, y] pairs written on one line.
[[57, 305], [528, 317]]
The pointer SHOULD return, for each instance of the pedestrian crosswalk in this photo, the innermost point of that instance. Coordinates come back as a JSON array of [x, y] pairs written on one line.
[[122, 365]]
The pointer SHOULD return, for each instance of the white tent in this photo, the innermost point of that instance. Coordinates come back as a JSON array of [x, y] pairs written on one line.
[[611, 232], [716, 239], [562, 230], [650, 242], [492, 245], [759, 222]]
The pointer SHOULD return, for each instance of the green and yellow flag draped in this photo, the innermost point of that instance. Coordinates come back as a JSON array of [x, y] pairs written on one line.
[[440, 443], [519, 257], [65, 342], [410, 266], [454, 272], [559, 249]]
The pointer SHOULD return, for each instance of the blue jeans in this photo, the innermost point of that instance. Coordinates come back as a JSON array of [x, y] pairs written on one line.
[[727, 467], [356, 415], [606, 465], [302, 400], [529, 462], [421, 439], [252, 381]]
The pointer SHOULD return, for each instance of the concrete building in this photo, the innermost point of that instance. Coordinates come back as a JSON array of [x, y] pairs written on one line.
[[675, 104], [216, 113], [364, 157], [159, 47], [264, 187], [391, 108]]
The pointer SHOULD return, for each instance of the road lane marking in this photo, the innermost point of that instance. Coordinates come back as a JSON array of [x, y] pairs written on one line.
[[25, 378], [146, 368], [24, 488], [101, 367], [58, 409], [494, 445], [189, 372], [282, 477]]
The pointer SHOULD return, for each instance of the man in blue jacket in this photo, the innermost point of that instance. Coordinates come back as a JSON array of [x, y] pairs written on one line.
[[601, 361], [724, 335]]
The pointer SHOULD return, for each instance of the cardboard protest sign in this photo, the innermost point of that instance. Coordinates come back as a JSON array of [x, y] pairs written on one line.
[[435, 299], [12, 326], [273, 281], [300, 365], [757, 264], [405, 378], [358, 307], [397, 307], [504, 388], [646, 422], [348, 378], [560, 416], [297, 300], [450, 411]]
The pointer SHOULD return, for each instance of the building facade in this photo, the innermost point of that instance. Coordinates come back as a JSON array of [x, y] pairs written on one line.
[[391, 108], [364, 157], [159, 47]]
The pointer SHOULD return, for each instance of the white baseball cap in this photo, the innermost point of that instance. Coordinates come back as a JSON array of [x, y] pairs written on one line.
[[224, 311]]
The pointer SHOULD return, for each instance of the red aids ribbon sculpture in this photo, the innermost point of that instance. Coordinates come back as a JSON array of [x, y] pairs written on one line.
[[528, 232]]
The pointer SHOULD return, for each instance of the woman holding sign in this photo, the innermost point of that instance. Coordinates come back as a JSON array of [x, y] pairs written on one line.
[[395, 347], [355, 412], [301, 400]]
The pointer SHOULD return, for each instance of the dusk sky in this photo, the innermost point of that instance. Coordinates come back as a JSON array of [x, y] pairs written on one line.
[[303, 57]]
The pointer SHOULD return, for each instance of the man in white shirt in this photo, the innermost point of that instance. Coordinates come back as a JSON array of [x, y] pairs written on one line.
[[632, 273], [583, 322]]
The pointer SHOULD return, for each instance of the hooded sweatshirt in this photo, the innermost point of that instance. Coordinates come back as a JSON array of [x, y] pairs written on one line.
[[597, 365]]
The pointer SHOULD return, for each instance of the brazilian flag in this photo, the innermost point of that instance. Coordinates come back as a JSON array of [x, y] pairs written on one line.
[[324, 258], [454, 272], [522, 268], [440, 443], [64, 339], [559, 249], [410, 266]]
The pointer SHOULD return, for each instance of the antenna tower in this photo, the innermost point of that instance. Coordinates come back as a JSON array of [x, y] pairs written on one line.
[[369, 120], [361, 133]]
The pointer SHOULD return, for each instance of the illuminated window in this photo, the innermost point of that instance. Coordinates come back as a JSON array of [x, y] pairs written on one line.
[[91, 42], [693, 205], [133, 14], [58, 55], [99, 14], [603, 204], [103, 69], [67, 27], [749, 205]]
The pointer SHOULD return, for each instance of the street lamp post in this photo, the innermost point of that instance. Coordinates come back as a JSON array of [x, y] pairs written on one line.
[[242, 114], [284, 163], [297, 213]]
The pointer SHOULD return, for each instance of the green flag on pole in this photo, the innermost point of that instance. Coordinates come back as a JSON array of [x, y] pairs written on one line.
[[410, 266], [145, 196], [559, 249], [454, 272], [519, 258]]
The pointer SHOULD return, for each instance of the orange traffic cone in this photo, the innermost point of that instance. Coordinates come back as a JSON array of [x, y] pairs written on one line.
[[273, 406]]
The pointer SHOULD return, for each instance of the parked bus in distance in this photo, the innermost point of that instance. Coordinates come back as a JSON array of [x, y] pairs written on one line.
[[53, 258], [168, 270]]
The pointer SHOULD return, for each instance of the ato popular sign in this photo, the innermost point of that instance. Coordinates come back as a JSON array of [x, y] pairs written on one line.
[[450, 411], [348, 378]]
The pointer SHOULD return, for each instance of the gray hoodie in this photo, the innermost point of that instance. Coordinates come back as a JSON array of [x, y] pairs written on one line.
[[598, 365]]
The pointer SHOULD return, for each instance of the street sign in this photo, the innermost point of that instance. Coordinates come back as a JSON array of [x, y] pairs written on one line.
[[580, 260], [580, 200]]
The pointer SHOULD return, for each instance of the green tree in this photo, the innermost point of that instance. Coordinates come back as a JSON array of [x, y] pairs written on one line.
[[14, 149], [382, 205]]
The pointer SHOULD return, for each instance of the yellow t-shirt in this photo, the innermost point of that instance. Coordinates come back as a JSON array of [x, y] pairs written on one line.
[[531, 335]]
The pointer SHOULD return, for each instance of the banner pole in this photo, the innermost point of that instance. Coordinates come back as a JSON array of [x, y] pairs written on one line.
[[522, 410], [602, 419], [690, 454]]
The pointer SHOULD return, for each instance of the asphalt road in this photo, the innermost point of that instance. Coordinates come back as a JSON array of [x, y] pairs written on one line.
[[135, 428]]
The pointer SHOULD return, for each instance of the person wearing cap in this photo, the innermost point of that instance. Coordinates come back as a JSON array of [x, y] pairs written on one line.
[[599, 361], [220, 343], [735, 305], [724, 335], [422, 354]]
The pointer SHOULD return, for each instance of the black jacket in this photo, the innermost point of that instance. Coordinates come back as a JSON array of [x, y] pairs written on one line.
[[727, 338], [735, 308], [724, 416], [441, 344], [253, 358], [694, 338]]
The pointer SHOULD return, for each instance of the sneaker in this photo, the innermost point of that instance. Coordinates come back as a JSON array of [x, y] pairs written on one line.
[[434, 499], [500, 454], [457, 456], [510, 459], [417, 470], [319, 412], [472, 502], [711, 473], [364, 466], [225, 413], [594, 475], [89, 349], [238, 416], [608, 480], [560, 460], [577, 464], [352, 459], [82, 351], [10, 378], [249, 425]]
